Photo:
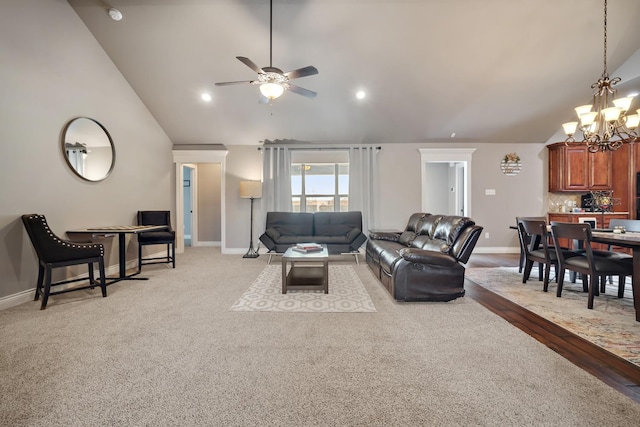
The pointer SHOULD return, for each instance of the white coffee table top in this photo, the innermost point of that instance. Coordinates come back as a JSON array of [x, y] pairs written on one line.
[[295, 255]]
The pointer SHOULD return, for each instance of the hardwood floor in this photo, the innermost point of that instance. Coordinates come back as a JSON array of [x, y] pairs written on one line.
[[611, 369]]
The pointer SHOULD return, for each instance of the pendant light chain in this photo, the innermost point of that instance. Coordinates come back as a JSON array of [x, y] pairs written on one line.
[[605, 39]]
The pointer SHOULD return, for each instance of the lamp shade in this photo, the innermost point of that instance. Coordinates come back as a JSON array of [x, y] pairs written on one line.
[[251, 189], [570, 128]]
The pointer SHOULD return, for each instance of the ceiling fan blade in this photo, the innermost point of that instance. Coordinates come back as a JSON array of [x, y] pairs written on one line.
[[302, 91], [249, 63], [302, 72], [234, 83]]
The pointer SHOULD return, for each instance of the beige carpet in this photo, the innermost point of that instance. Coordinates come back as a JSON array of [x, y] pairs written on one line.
[[346, 294], [169, 352], [611, 324]]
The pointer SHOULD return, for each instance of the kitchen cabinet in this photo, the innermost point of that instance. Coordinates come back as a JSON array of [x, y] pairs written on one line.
[[574, 168]]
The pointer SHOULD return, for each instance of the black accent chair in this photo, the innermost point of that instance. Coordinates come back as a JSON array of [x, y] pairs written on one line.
[[161, 237], [54, 252], [588, 264]]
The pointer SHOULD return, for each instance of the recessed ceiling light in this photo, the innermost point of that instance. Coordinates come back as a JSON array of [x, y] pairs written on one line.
[[115, 14], [361, 94], [453, 134], [206, 97]]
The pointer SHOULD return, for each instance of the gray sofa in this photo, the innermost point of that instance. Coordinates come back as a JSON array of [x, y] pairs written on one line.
[[340, 231], [424, 262]]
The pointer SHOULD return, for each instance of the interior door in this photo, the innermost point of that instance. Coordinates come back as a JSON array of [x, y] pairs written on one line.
[[189, 176]]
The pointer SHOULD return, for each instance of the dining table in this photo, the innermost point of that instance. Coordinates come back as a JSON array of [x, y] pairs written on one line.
[[625, 240], [121, 231]]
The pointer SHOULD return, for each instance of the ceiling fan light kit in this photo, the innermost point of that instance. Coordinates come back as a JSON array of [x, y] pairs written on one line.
[[272, 81], [271, 90]]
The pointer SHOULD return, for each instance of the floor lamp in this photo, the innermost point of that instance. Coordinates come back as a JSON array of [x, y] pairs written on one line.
[[251, 190]]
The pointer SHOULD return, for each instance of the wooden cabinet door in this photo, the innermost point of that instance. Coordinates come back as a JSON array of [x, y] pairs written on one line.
[[576, 169], [555, 168], [600, 172]]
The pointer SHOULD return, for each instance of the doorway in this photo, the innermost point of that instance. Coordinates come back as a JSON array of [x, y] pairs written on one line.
[[451, 168], [187, 160], [188, 185]]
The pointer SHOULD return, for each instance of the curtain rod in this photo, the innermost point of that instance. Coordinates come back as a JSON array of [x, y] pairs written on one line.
[[300, 147]]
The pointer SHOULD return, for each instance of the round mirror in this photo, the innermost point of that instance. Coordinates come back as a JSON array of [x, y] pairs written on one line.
[[88, 149]]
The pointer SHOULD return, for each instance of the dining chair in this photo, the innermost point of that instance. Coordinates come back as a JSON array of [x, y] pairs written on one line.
[[162, 237], [523, 239], [590, 266], [54, 252], [631, 225], [539, 250]]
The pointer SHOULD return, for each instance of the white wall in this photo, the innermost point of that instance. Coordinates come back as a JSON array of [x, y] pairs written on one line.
[[52, 71]]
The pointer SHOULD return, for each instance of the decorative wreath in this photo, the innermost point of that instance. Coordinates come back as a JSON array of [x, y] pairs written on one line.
[[511, 164]]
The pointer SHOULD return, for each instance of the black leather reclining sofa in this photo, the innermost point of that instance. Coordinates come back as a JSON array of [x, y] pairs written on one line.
[[340, 231], [424, 262]]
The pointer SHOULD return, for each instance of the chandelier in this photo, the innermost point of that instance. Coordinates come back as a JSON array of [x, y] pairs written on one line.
[[605, 124]]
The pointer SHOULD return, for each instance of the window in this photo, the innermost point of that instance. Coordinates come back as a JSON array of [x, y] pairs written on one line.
[[320, 187]]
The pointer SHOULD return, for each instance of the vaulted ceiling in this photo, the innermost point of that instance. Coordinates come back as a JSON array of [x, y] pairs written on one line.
[[487, 70]]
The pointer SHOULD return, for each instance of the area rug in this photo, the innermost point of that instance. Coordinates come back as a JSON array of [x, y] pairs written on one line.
[[610, 325], [346, 294]]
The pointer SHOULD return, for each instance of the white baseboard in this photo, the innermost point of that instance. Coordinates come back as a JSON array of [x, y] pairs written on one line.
[[235, 251], [26, 296], [496, 250], [207, 243], [17, 299]]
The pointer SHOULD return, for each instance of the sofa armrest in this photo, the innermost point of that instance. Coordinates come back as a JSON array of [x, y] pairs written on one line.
[[353, 234], [424, 256], [267, 241], [273, 234], [392, 236]]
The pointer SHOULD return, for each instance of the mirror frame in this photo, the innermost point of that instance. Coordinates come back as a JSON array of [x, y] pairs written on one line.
[[66, 158]]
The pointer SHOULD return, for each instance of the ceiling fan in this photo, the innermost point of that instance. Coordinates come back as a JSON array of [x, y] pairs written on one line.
[[273, 81]]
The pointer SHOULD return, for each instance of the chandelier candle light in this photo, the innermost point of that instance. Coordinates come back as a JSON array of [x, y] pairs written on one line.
[[604, 126]]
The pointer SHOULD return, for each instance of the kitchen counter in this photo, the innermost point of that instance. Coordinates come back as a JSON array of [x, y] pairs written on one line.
[[587, 213], [601, 219]]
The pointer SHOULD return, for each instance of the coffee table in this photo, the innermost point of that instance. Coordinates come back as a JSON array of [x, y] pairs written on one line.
[[309, 271]]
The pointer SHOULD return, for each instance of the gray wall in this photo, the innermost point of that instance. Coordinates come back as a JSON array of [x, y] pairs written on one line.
[[400, 189], [53, 70], [523, 194]]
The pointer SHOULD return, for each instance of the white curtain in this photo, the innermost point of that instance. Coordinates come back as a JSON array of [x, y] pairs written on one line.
[[363, 173], [276, 180]]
